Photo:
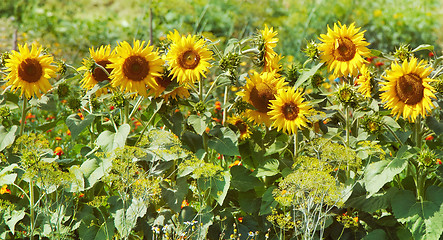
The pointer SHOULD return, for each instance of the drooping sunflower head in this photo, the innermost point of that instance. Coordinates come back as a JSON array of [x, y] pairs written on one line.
[[241, 125], [343, 49], [134, 68], [29, 70], [169, 87], [266, 42], [407, 90], [94, 74], [364, 80], [188, 58], [259, 90], [289, 111]]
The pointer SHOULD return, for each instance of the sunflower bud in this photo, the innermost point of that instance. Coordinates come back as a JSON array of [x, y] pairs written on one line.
[[63, 90], [372, 124], [74, 103], [5, 112], [317, 80], [199, 107], [5, 56], [240, 106], [293, 73], [439, 86], [61, 67], [347, 96], [229, 61], [118, 100], [89, 63], [311, 50], [403, 52], [427, 157]]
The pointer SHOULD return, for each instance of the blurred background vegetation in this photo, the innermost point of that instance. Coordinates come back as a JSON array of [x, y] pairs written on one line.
[[69, 28]]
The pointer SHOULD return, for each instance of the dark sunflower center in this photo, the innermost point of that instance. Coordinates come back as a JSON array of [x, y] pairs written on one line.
[[164, 81], [346, 50], [410, 89], [189, 59], [136, 68], [290, 111], [30, 70], [242, 127], [98, 74], [260, 96]]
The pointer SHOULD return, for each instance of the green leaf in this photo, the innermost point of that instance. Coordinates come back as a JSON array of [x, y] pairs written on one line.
[[198, 122], [126, 222], [379, 173], [77, 182], [11, 218], [109, 141], [242, 179], [94, 169], [424, 47], [423, 219], [390, 122], [276, 147], [8, 178], [46, 102], [268, 168], [377, 234], [7, 137], [434, 125], [249, 202], [224, 141], [374, 203], [76, 125], [218, 185], [175, 195], [306, 75], [268, 202]]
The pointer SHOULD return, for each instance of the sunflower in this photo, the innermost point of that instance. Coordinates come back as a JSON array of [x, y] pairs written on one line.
[[273, 64], [30, 71], [241, 125], [188, 58], [133, 69], [343, 49], [267, 42], [364, 80], [259, 90], [164, 82], [95, 74], [288, 111], [408, 91]]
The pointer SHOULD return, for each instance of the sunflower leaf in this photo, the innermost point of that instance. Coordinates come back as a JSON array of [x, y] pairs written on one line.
[[424, 47], [307, 74], [7, 137], [76, 125]]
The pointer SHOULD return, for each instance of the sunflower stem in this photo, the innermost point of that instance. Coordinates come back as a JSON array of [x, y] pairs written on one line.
[[417, 132], [393, 133], [102, 68], [225, 100], [137, 104], [210, 89], [24, 110], [347, 125], [295, 144], [31, 208]]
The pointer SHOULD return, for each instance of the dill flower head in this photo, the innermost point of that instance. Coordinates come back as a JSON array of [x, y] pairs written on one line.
[[95, 74], [288, 111], [364, 80], [343, 49], [134, 68], [407, 91], [29, 70], [259, 90], [188, 58]]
